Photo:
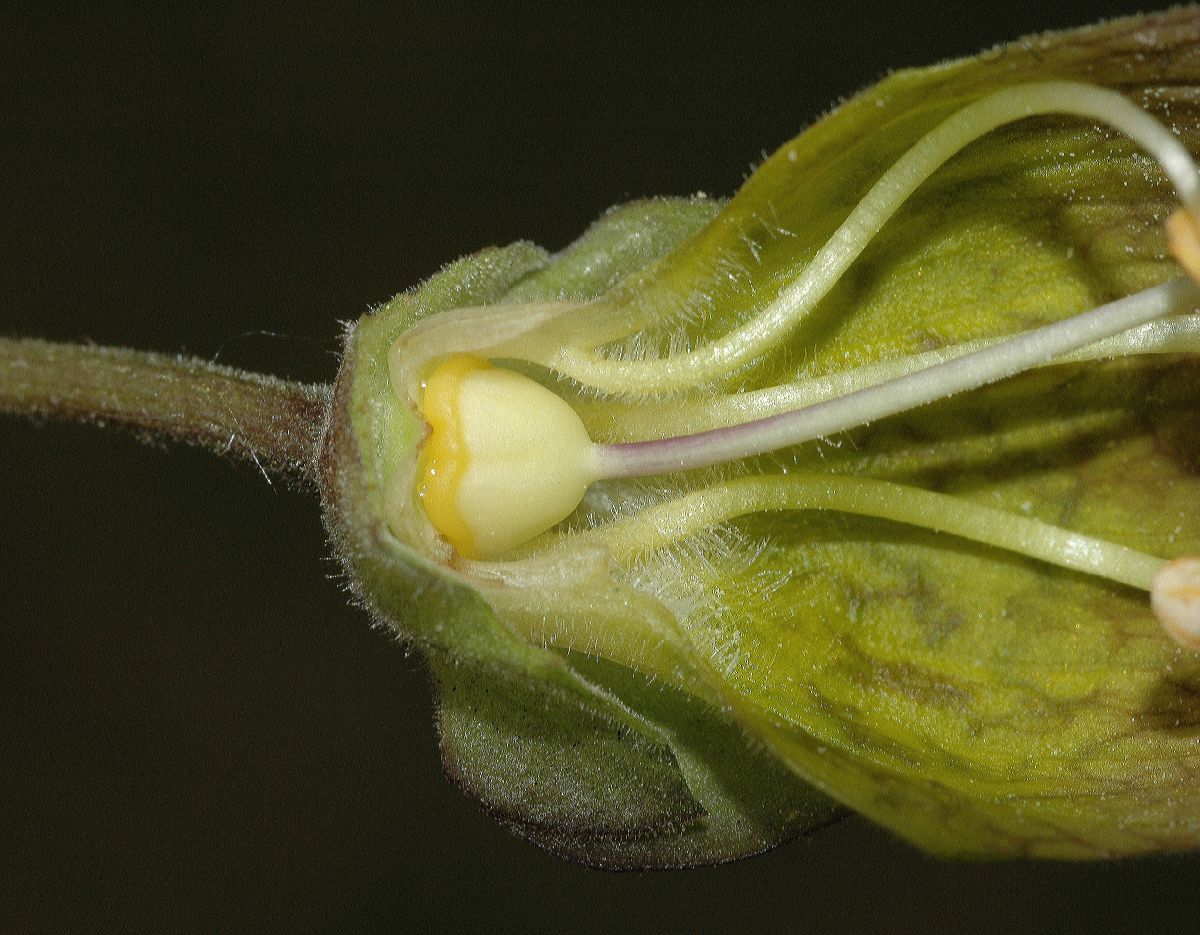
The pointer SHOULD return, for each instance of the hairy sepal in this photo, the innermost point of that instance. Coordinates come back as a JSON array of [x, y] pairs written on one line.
[[599, 766]]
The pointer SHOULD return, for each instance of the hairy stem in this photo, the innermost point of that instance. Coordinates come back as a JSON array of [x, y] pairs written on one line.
[[274, 423]]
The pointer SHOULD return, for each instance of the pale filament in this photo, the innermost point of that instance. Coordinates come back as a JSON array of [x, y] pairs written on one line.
[[758, 335]]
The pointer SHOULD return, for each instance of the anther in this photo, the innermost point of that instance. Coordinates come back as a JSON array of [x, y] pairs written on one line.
[[1175, 597], [1183, 240]]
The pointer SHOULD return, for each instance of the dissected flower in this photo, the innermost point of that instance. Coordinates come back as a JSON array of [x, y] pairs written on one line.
[[849, 492]]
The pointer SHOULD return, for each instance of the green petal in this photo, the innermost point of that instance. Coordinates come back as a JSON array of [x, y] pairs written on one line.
[[974, 701]]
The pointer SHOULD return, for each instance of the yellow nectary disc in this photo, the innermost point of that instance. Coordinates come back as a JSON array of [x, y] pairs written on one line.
[[444, 454]]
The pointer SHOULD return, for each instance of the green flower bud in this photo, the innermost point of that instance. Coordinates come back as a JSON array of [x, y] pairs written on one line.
[[780, 546]]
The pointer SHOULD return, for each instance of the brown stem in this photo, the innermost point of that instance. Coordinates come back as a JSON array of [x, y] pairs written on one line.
[[272, 422]]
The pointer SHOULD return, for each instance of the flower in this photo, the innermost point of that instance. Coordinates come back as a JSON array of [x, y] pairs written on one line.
[[938, 618]]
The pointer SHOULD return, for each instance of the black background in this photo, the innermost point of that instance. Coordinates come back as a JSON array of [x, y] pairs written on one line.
[[196, 732]]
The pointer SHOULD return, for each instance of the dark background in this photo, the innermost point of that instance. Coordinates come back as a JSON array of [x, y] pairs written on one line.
[[196, 732]]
